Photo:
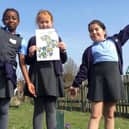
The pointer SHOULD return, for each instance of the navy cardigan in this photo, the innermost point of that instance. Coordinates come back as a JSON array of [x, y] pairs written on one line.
[[87, 59], [57, 63]]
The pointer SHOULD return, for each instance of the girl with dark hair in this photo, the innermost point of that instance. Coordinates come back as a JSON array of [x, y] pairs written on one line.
[[11, 44], [102, 65]]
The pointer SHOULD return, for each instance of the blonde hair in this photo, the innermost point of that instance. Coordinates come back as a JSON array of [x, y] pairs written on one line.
[[44, 12]]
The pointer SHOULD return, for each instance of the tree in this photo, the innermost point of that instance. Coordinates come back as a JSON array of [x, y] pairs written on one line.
[[70, 70], [70, 67], [127, 71]]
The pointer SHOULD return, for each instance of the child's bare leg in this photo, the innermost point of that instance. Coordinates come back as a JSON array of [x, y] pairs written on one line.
[[109, 109], [96, 114]]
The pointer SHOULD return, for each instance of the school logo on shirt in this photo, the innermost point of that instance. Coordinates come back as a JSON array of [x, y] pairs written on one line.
[[13, 41], [116, 40]]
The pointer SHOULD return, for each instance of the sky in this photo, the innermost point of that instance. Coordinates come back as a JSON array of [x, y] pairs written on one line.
[[71, 18]]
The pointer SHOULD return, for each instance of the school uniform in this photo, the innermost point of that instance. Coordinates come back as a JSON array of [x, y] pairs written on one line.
[[9, 45], [46, 75], [47, 79], [103, 69]]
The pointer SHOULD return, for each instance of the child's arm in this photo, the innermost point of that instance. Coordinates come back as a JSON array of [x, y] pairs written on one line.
[[83, 70], [63, 53], [31, 57], [26, 75], [122, 36], [32, 50]]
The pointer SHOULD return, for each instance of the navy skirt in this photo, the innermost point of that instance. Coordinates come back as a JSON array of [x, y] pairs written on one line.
[[46, 82], [105, 82]]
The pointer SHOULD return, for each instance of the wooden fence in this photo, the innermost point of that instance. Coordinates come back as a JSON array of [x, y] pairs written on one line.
[[82, 104]]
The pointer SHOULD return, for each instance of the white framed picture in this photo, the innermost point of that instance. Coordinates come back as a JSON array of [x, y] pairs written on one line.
[[46, 42]]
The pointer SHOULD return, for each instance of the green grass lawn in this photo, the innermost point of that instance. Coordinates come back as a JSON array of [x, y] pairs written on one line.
[[21, 118]]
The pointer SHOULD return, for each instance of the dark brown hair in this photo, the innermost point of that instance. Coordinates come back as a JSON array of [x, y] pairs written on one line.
[[101, 24], [10, 9]]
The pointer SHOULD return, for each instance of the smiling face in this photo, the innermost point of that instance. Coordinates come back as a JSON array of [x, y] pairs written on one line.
[[97, 32], [44, 20], [11, 20]]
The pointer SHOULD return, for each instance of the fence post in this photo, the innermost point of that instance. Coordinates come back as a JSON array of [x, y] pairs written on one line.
[[126, 84], [128, 93], [60, 119]]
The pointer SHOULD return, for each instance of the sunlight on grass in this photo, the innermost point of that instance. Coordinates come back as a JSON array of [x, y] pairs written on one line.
[[21, 118]]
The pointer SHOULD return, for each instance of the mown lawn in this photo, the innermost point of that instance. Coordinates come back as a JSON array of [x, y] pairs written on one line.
[[21, 118]]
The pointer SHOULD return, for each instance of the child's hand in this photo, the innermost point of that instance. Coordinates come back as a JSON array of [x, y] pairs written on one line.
[[62, 45], [32, 50], [73, 92], [32, 89]]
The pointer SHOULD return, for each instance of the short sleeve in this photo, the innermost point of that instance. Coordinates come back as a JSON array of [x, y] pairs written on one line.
[[23, 47]]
